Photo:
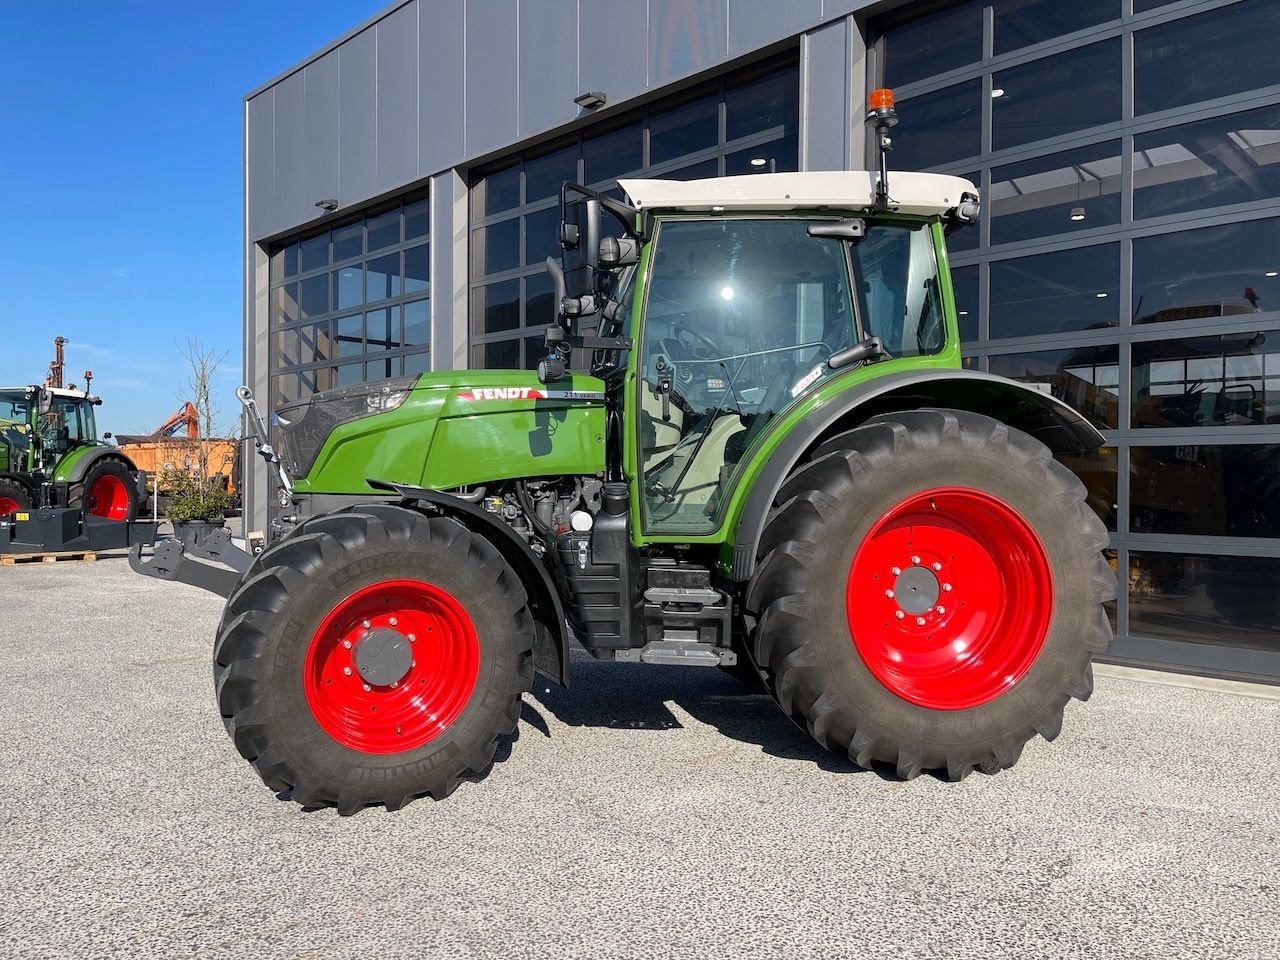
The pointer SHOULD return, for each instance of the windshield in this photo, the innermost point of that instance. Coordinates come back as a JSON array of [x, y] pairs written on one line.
[[14, 406]]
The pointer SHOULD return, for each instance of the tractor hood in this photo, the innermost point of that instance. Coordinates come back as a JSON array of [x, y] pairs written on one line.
[[443, 430]]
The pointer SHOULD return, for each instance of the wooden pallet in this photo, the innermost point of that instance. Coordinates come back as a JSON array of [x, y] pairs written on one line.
[[12, 559]]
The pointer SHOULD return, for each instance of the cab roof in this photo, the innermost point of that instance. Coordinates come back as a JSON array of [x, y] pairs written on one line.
[[921, 194]]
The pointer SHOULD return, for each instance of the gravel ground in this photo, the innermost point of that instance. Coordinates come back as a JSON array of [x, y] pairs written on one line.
[[649, 812]]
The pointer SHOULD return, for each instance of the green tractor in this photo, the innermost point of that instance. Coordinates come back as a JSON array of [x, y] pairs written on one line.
[[50, 456], [751, 445]]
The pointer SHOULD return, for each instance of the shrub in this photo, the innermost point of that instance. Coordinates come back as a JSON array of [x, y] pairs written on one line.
[[191, 498]]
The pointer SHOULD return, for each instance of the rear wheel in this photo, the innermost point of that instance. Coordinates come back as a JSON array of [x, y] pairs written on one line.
[[372, 657], [108, 490], [13, 497], [968, 603]]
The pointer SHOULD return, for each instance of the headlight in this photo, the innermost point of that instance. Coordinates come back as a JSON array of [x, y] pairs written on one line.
[[306, 425]]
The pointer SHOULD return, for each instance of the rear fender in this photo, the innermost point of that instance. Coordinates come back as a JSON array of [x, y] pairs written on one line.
[[1055, 424], [551, 650], [73, 467]]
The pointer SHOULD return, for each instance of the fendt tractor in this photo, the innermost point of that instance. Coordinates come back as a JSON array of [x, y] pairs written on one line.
[[751, 444], [50, 454]]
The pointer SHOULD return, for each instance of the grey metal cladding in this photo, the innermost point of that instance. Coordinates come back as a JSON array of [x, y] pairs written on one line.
[[756, 23], [548, 63], [442, 107], [291, 153], [260, 162], [357, 97], [397, 98], [838, 8], [613, 53], [825, 114], [685, 36], [493, 92], [321, 135]]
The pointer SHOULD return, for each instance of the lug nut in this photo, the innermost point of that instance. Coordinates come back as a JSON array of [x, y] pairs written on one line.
[[946, 588], [413, 638], [919, 621], [346, 644], [895, 570], [899, 614], [367, 688], [941, 610], [393, 621], [366, 624], [889, 594], [915, 560], [937, 566], [346, 671]]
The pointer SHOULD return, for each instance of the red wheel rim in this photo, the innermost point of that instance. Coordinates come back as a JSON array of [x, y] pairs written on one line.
[[8, 505], [109, 497], [949, 598], [421, 620]]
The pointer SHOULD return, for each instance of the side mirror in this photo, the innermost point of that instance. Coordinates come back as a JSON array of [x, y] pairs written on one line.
[[46, 401], [618, 252]]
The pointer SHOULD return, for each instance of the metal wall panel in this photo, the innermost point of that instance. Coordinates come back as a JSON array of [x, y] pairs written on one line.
[[397, 98], [291, 148], [613, 48], [838, 8], [685, 36], [442, 33], [825, 115], [756, 23], [357, 99], [320, 131], [548, 63], [260, 163], [493, 92], [448, 271]]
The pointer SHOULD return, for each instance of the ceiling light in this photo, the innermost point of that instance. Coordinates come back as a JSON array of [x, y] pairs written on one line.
[[1101, 296], [1273, 273], [997, 92], [726, 293], [1077, 213], [758, 161], [964, 313]]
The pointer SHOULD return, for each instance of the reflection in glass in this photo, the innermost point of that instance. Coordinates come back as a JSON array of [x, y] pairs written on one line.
[[1208, 490], [1056, 95], [1097, 470], [1086, 378], [285, 349], [1223, 271], [349, 374], [285, 300], [349, 334], [696, 171], [1205, 599], [382, 329], [1226, 50], [1232, 159], [964, 281], [379, 369], [384, 277], [776, 156], [315, 252], [348, 283], [495, 307], [610, 155], [969, 236], [693, 126], [542, 235], [1020, 23], [417, 268], [496, 247], [503, 355], [315, 295], [770, 103], [416, 363], [1055, 292], [348, 241], [534, 350], [497, 192], [417, 323], [1072, 190], [1230, 379], [938, 127], [417, 220], [544, 175], [316, 346], [539, 306], [927, 46], [284, 389], [284, 263], [384, 230]]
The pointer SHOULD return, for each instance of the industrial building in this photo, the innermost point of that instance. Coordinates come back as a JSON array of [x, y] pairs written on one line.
[[400, 193]]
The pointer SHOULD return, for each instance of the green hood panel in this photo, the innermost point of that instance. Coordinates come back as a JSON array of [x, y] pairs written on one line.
[[464, 427]]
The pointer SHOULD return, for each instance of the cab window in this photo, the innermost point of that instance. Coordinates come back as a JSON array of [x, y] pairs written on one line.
[[899, 299], [741, 316]]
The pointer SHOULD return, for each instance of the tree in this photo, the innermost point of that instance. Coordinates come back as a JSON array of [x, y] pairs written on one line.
[[201, 495]]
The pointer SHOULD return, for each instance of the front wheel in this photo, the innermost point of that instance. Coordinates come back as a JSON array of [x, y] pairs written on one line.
[[13, 497], [109, 490], [372, 657], [967, 599]]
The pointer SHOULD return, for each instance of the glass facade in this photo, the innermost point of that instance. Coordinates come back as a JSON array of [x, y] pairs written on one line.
[[746, 124], [1128, 257], [352, 302]]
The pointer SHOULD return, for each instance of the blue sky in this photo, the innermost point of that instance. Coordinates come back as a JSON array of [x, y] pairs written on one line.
[[120, 162]]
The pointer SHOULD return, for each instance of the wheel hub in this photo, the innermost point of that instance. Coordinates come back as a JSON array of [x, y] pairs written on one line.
[[383, 656], [917, 590]]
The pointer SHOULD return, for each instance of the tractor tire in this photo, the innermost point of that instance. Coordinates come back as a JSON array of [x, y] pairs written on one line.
[[372, 657], [13, 497], [930, 593], [109, 490]]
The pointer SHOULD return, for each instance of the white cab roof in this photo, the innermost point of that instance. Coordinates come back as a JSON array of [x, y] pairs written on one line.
[[924, 194]]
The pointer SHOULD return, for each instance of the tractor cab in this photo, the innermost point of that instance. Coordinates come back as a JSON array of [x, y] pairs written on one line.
[[40, 425]]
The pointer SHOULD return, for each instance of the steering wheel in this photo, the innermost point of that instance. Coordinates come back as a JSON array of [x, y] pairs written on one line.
[[697, 344]]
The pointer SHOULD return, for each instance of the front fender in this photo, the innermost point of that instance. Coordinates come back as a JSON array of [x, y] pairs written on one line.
[[72, 467], [1058, 426]]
